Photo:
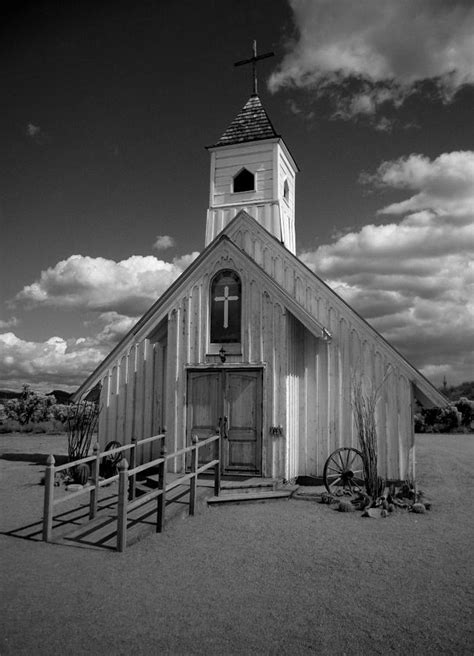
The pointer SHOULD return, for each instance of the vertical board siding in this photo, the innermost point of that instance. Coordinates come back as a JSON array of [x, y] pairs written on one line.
[[333, 382], [130, 412], [381, 419], [103, 416], [122, 401], [253, 346], [267, 356], [171, 378]]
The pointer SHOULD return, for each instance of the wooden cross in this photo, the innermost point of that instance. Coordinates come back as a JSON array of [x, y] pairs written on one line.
[[225, 299], [253, 60]]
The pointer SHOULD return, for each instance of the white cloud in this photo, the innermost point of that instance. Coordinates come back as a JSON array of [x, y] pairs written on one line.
[[414, 279], [45, 364], [366, 54], [36, 133], [33, 130], [163, 242], [110, 327], [81, 282], [8, 323], [445, 185]]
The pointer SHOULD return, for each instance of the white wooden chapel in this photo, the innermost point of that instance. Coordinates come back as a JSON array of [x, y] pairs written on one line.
[[250, 342]]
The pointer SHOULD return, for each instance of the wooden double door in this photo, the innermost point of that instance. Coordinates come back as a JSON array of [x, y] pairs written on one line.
[[228, 401]]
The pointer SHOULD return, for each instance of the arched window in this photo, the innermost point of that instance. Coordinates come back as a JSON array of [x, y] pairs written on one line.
[[226, 308], [286, 191], [244, 181]]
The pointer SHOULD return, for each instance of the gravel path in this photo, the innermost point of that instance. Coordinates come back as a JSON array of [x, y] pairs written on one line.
[[289, 577]]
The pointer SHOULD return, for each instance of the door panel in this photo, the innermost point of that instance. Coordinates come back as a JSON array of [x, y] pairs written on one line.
[[236, 395], [204, 408], [243, 403]]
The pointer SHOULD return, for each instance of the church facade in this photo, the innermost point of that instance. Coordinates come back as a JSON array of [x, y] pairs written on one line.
[[250, 343]]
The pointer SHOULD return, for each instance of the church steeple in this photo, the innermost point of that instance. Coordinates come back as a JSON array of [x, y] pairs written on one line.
[[252, 170], [250, 124]]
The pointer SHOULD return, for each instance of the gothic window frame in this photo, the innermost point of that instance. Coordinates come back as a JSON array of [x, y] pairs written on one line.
[[217, 342], [246, 185], [286, 190]]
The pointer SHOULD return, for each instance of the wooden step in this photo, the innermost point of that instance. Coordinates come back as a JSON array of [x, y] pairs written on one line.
[[245, 497], [245, 484]]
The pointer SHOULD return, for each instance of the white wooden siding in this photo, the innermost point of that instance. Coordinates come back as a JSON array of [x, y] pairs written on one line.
[[257, 159]]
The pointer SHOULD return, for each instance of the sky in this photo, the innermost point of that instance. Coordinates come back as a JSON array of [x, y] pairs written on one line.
[[104, 175]]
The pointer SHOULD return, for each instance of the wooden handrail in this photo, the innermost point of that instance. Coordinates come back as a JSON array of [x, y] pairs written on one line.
[[164, 488], [126, 478]]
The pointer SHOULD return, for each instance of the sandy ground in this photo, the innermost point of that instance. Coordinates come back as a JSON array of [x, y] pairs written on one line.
[[288, 577]]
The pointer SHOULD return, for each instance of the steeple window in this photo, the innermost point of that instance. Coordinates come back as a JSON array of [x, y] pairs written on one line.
[[286, 191], [244, 181]]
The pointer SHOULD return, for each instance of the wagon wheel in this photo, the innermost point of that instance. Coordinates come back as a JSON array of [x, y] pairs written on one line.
[[344, 471], [110, 462]]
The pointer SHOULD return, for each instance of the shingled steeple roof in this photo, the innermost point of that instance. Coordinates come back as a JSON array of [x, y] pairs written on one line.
[[250, 124]]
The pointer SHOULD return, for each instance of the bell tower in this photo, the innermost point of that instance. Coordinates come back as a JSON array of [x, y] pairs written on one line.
[[252, 170]]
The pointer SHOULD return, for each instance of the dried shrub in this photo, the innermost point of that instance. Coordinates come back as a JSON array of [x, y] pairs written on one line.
[[364, 402], [81, 423]]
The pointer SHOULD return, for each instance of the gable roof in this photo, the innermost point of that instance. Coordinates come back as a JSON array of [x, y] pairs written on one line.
[[427, 393], [250, 124]]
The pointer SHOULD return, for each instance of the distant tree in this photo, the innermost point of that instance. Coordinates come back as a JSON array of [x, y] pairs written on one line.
[[453, 393], [466, 408], [31, 406]]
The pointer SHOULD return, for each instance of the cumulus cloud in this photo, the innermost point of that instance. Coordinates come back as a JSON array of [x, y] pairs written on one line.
[[414, 279], [44, 364], [110, 327], [33, 130], [445, 185], [113, 294], [5, 324], [163, 242], [365, 55], [36, 133], [81, 282]]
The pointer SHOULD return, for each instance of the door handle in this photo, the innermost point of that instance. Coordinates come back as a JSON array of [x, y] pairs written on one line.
[[222, 427]]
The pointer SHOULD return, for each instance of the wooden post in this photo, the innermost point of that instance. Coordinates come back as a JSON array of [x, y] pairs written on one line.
[[94, 495], [194, 477], [161, 499], [217, 467], [133, 464], [122, 505], [48, 499]]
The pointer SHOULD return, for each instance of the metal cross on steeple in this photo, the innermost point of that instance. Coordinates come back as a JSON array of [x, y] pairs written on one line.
[[253, 60]]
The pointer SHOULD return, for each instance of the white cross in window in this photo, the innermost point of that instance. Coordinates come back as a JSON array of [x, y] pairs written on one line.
[[225, 299]]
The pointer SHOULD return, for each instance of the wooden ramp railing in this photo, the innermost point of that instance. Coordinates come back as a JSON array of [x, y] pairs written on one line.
[[126, 501]]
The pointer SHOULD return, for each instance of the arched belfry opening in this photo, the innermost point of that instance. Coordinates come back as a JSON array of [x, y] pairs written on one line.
[[243, 181]]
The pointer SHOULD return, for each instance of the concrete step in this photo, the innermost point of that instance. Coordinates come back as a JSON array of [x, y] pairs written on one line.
[[246, 497]]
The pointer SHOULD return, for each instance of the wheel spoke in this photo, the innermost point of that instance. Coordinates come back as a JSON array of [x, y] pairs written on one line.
[[344, 469], [348, 453], [354, 456]]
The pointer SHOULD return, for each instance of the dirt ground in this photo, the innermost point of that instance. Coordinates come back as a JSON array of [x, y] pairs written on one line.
[[288, 577]]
